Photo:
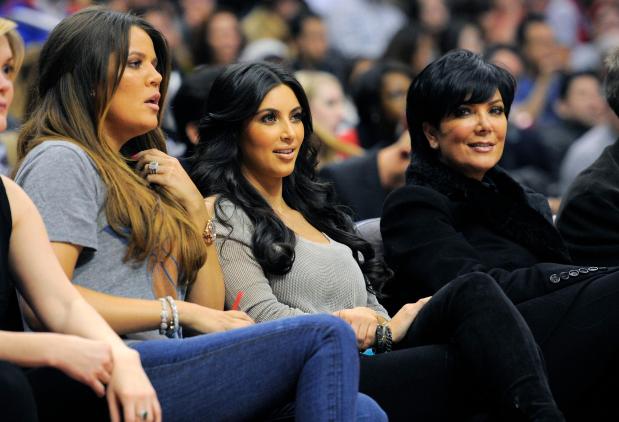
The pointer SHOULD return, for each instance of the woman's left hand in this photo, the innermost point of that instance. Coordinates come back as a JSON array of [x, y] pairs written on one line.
[[129, 393], [171, 175], [401, 322]]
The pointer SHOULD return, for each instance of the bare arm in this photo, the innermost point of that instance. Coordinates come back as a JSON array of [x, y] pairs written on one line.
[[60, 307]]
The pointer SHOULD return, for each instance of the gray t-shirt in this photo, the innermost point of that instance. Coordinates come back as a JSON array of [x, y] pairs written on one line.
[[324, 277], [66, 187]]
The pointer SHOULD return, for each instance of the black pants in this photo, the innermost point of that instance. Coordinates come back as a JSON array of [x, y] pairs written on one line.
[[582, 349], [468, 349], [46, 394]]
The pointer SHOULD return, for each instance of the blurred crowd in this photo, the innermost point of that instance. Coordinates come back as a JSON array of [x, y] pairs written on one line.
[[356, 60]]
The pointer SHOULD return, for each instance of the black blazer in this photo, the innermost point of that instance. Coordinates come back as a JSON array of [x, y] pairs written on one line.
[[442, 224], [589, 214]]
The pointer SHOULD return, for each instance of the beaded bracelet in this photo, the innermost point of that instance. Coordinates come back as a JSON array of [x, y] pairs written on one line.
[[173, 330], [384, 339], [163, 327]]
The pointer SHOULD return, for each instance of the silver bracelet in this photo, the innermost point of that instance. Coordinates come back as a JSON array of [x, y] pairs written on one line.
[[163, 327], [173, 330]]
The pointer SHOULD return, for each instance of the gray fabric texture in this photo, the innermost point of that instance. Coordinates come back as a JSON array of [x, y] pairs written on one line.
[[66, 187], [324, 277]]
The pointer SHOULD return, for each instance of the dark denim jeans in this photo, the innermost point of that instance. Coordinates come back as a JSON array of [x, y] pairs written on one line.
[[245, 374]]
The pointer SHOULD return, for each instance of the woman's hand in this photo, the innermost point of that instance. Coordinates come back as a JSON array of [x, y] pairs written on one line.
[[363, 322], [172, 176], [401, 322], [87, 361], [129, 392], [206, 320]]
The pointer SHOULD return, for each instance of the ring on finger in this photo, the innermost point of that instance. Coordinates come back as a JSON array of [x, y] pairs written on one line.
[[153, 167], [143, 415]]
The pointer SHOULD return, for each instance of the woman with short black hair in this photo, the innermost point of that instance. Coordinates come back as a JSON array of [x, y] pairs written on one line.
[[459, 213]]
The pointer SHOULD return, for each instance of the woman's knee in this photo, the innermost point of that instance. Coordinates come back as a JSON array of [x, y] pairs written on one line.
[[331, 327], [477, 286], [368, 410]]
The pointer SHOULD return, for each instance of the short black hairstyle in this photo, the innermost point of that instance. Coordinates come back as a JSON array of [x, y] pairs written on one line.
[[459, 77]]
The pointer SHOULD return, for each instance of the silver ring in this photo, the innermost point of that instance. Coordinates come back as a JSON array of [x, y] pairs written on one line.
[[143, 415], [153, 166]]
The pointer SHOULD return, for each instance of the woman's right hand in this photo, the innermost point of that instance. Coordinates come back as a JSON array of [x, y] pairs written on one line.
[[87, 361], [206, 320], [401, 321]]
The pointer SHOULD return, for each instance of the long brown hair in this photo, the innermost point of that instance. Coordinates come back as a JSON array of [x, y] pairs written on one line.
[[71, 101]]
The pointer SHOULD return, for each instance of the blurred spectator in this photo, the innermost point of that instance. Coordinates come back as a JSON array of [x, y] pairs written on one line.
[[327, 105], [500, 22], [196, 12], [266, 49], [380, 97], [538, 88], [507, 56], [431, 15], [586, 149], [465, 34], [412, 46], [313, 52], [271, 19], [360, 28], [604, 16], [580, 106], [222, 41]]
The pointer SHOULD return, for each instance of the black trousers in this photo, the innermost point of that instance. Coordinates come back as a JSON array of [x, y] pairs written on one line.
[[46, 394], [469, 350], [581, 350]]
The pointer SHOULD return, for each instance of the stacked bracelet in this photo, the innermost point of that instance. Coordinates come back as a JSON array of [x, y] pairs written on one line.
[[384, 339], [174, 328], [163, 327]]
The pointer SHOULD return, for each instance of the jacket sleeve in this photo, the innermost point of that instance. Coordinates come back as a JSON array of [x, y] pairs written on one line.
[[423, 246]]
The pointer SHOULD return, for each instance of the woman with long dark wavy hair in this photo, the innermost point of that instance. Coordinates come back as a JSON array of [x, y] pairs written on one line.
[[289, 250], [125, 222]]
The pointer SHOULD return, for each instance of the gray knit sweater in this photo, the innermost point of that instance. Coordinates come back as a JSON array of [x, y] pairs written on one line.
[[324, 277]]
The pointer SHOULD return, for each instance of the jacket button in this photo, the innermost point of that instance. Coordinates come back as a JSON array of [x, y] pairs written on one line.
[[554, 278], [573, 273], [583, 270], [593, 268], [564, 275]]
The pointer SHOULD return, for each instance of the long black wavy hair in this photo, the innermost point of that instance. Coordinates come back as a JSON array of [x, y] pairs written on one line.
[[216, 170]]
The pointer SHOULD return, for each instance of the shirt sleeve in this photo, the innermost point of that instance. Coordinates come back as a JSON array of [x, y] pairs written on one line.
[[62, 182]]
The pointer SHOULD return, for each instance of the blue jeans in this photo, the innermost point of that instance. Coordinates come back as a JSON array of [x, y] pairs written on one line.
[[247, 373]]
